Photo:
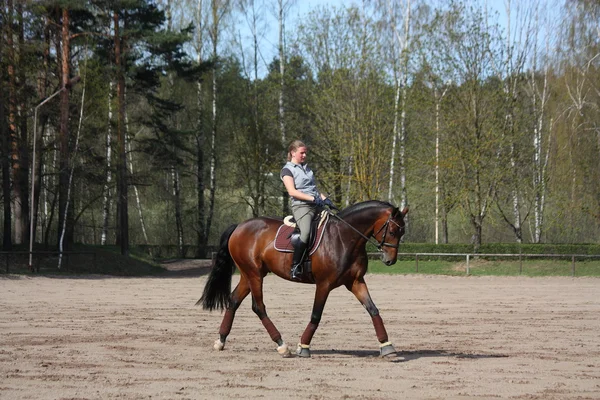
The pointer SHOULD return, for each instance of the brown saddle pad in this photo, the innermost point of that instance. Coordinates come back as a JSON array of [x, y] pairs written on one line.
[[283, 242]]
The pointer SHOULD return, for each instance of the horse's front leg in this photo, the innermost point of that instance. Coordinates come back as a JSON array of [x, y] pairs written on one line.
[[321, 295], [360, 290]]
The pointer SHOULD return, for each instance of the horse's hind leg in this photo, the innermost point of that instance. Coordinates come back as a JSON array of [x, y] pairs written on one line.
[[237, 296], [258, 306], [360, 290]]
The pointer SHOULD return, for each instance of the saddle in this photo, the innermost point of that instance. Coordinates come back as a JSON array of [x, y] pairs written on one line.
[[288, 234]]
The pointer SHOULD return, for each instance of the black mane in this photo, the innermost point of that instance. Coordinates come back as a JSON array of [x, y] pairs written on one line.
[[363, 205]]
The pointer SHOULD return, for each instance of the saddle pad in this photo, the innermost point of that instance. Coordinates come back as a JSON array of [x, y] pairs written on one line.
[[289, 220], [283, 242]]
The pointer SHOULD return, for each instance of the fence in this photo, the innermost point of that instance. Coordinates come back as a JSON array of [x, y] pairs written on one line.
[[8, 256], [469, 256]]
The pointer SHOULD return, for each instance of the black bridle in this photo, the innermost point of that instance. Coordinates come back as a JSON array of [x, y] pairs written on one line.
[[383, 228]]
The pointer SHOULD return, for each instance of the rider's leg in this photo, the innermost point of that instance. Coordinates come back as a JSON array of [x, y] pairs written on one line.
[[303, 214]]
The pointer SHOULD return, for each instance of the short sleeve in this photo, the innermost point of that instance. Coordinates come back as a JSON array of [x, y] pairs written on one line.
[[285, 172]]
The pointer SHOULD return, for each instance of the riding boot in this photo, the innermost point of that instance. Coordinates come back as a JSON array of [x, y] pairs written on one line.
[[299, 251]]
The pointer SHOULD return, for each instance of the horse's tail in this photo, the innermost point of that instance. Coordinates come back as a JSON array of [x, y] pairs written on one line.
[[217, 291]]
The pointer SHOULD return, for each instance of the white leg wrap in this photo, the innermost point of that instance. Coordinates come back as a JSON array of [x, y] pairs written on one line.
[[218, 345], [284, 350]]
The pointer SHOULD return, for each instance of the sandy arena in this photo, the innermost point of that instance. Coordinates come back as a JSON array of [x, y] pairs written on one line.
[[98, 337]]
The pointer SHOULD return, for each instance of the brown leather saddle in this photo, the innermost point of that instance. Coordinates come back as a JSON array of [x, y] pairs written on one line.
[[288, 233]]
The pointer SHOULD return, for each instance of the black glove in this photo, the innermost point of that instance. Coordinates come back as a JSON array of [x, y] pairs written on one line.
[[329, 204], [319, 201]]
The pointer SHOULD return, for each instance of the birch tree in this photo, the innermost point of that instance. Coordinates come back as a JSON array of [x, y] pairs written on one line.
[[107, 190], [400, 61], [539, 95], [219, 10], [283, 7]]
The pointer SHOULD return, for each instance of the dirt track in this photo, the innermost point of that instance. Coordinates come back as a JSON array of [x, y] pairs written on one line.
[[99, 337]]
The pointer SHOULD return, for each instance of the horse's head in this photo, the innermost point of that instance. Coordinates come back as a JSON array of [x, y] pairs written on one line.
[[389, 234]]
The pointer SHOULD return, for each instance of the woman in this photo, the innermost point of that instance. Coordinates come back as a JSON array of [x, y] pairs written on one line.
[[300, 184]]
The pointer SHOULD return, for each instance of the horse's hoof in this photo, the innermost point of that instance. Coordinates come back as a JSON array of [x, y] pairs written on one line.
[[387, 350], [218, 345], [303, 350], [284, 351]]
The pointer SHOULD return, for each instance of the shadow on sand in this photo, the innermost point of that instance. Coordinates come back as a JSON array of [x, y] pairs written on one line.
[[404, 356], [185, 268]]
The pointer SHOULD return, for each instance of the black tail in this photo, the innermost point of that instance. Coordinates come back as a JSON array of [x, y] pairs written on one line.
[[217, 291]]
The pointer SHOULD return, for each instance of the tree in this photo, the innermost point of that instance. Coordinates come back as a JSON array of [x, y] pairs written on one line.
[[471, 51], [142, 50], [400, 61], [4, 151]]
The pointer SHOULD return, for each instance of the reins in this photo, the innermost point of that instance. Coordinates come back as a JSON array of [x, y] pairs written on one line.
[[371, 239]]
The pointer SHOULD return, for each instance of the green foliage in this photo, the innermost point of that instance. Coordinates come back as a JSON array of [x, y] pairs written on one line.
[[463, 90]]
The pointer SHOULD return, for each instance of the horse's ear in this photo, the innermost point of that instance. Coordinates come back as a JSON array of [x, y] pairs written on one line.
[[405, 211]]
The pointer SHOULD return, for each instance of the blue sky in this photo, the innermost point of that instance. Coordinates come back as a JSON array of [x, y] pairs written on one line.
[[303, 7]]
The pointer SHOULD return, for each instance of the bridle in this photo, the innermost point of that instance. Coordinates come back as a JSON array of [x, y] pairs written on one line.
[[384, 228]]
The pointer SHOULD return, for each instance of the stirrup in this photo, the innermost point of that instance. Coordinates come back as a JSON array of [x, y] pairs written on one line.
[[296, 272]]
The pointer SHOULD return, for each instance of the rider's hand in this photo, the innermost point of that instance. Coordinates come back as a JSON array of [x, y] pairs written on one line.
[[329, 203], [319, 201]]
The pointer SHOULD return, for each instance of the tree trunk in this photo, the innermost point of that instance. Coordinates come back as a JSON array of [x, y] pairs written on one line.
[[13, 150], [4, 153], [201, 238], [107, 196], [122, 201], [42, 89], [178, 219], [213, 151], [284, 194], [540, 159], [138, 202], [400, 104], [22, 220], [50, 182], [476, 240], [64, 214], [71, 197], [438, 101], [216, 12]]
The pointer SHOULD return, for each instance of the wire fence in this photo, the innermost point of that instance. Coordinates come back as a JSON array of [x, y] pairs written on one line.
[[469, 257]]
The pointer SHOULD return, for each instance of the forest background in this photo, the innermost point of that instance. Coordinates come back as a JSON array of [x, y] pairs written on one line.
[[143, 122]]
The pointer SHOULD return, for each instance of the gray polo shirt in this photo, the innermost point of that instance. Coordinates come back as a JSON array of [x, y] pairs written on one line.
[[304, 179]]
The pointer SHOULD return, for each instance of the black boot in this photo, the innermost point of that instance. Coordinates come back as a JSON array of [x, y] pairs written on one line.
[[299, 251]]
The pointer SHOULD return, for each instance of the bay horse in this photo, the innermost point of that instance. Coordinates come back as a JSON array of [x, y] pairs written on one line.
[[341, 259]]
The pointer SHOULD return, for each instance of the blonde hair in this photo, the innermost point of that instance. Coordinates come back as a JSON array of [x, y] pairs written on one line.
[[295, 145]]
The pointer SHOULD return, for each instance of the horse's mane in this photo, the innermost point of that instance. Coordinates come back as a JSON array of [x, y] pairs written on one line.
[[358, 207]]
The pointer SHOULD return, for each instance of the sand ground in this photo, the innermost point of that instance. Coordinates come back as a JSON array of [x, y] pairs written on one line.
[[99, 337]]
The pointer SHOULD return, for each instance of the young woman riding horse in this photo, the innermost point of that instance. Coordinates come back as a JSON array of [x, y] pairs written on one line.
[[299, 181], [341, 259]]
